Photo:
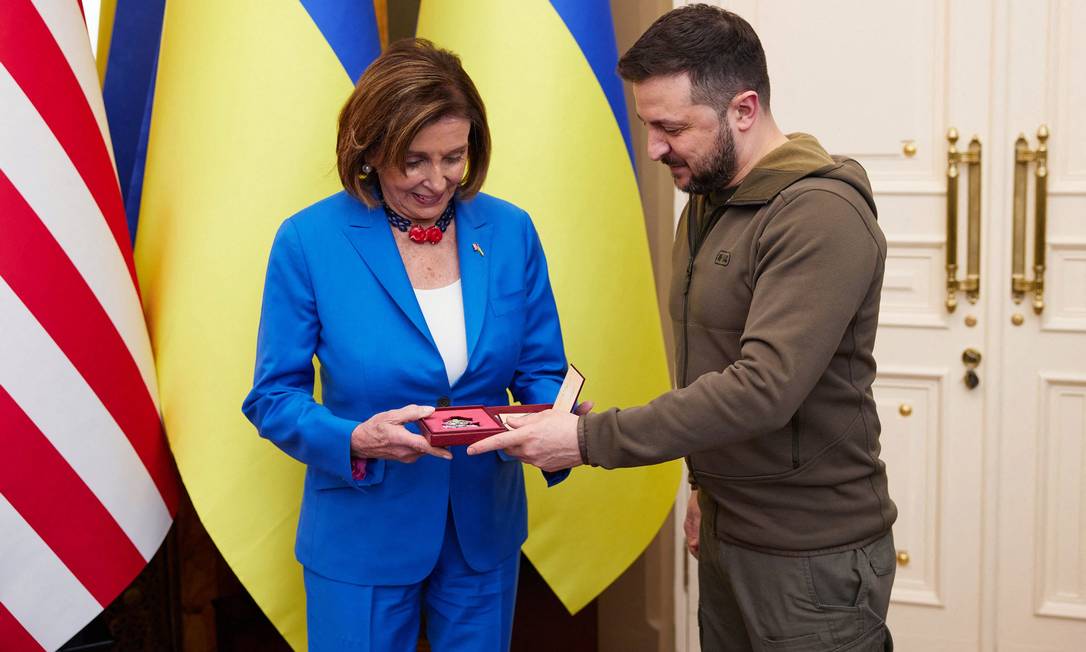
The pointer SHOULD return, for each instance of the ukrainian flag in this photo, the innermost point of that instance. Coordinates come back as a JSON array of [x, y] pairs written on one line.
[[129, 88], [546, 71], [241, 135]]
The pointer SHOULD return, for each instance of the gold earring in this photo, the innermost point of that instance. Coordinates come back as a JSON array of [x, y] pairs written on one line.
[[366, 170]]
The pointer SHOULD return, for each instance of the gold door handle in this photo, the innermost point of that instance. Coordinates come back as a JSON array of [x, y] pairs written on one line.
[[971, 158], [1023, 156]]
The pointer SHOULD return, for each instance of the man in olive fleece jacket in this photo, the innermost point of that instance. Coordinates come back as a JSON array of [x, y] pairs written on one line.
[[778, 267]]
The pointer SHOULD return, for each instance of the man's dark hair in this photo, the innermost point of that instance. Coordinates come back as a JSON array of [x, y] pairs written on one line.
[[718, 49]]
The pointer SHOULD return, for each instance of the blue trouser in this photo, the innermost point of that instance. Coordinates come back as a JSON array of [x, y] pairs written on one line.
[[466, 611]]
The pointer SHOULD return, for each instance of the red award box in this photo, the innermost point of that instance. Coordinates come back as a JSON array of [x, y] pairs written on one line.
[[455, 426], [467, 424]]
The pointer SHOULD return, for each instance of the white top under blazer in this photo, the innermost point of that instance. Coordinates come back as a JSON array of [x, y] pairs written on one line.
[[443, 309]]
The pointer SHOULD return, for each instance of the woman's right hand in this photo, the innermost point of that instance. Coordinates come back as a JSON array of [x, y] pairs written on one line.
[[383, 436]]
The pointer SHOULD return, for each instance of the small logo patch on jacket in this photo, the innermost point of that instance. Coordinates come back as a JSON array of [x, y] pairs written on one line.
[[723, 258]]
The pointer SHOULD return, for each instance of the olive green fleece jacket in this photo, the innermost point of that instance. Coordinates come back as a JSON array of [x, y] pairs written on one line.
[[774, 317]]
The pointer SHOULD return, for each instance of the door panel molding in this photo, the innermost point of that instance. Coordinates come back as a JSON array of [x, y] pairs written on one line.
[[898, 82], [912, 285], [1067, 171], [1065, 309], [911, 402], [1059, 580]]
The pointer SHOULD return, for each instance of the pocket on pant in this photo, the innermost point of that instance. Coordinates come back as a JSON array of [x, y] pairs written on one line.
[[881, 555], [882, 561], [838, 588], [804, 643], [875, 640], [837, 579]]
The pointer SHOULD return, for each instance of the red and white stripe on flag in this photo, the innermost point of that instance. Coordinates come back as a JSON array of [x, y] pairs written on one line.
[[87, 486]]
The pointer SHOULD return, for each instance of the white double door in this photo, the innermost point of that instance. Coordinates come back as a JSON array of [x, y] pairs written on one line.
[[990, 482]]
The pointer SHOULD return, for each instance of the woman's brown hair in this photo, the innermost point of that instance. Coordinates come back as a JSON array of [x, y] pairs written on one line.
[[411, 85]]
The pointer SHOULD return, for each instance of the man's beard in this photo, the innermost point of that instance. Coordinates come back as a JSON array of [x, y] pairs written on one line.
[[720, 166]]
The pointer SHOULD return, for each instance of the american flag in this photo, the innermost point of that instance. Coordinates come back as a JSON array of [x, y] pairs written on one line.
[[87, 486]]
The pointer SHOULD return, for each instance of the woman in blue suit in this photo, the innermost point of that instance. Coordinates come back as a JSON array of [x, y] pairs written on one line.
[[412, 289]]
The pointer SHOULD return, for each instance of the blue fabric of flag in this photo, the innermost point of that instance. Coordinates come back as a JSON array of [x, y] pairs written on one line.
[[350, 27], [127, 90], [590, 23]]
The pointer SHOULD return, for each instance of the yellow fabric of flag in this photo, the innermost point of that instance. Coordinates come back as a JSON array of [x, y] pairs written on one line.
[[560, 155], [106, 12], [242, 136]]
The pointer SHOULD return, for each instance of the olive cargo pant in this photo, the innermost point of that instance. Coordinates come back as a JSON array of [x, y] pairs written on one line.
[[756, 601]]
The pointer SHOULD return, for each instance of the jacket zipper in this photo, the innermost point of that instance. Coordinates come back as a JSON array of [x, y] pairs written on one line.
[[692, 216], [795, 440], [686, 317], [694, 201]]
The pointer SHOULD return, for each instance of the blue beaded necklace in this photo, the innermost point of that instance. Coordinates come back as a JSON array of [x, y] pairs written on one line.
[[417, 233]]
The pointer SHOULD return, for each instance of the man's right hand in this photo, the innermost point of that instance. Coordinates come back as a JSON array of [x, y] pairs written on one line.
[[692, 524]]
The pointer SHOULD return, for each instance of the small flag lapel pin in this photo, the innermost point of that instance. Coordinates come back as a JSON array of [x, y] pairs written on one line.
[[477, 249]]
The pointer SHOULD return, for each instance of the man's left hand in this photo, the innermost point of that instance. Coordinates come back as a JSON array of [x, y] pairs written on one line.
[[547, 439]]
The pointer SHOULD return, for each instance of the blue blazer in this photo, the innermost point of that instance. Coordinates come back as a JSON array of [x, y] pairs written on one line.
[[337, 288]]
